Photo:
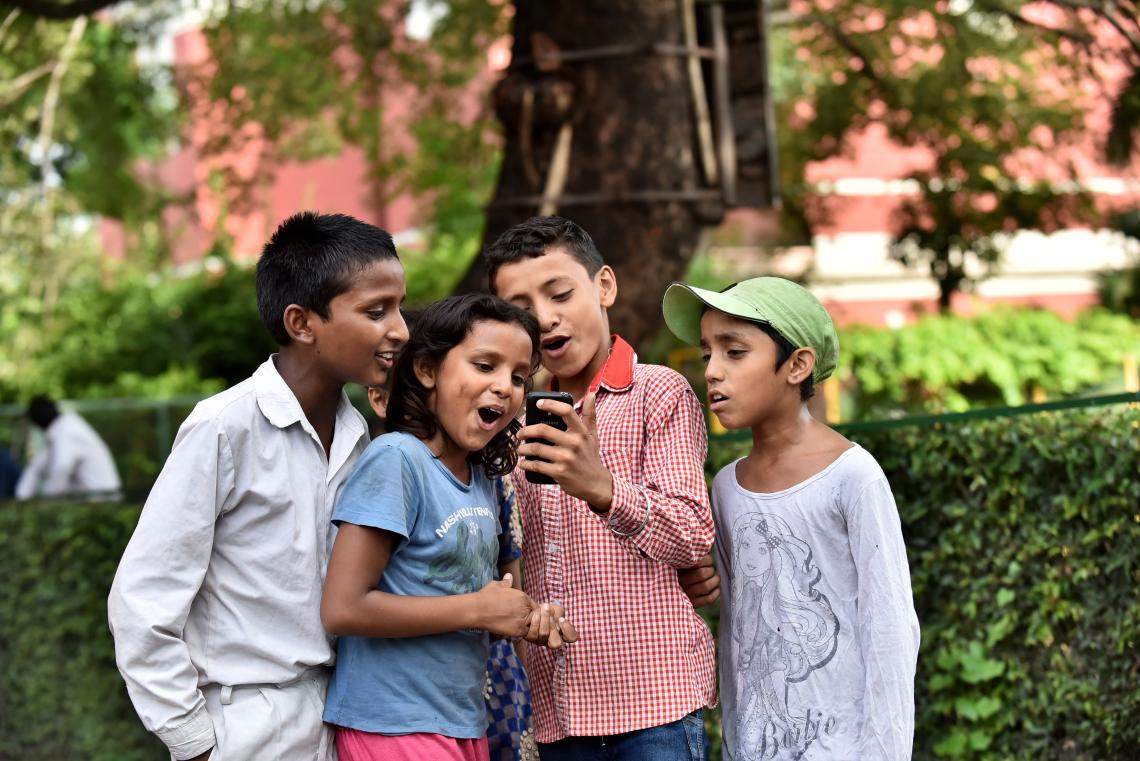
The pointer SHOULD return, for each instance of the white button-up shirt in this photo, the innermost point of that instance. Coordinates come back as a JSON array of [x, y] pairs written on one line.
[[221, 582], [74, 462]]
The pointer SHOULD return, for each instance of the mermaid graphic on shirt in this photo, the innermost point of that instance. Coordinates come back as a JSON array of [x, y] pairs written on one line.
[[796, 634]]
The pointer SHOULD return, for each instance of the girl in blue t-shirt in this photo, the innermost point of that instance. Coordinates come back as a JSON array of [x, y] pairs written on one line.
[[410, 586]]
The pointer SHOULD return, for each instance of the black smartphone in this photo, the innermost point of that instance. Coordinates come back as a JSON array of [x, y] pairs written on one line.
[[535, 416]]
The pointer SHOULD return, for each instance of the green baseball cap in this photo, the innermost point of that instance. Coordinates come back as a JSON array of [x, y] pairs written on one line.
[[787, 307]]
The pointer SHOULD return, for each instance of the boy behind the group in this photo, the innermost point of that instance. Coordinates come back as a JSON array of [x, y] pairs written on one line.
[[629, 509], [818, 637], [215, 607]]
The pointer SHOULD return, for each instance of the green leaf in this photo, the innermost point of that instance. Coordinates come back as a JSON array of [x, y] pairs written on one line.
[[953, 746], [979, 740], [987, 707]]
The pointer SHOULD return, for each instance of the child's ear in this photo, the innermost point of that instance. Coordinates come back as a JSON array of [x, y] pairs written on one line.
[[378, 401], [425, 373], [298, 323], [606, 282], [801, 364]]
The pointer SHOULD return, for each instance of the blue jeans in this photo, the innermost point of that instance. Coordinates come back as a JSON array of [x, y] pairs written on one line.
[[683, 740]]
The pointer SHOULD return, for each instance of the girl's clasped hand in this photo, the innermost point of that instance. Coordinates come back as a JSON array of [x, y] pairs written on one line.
[[512, 614]]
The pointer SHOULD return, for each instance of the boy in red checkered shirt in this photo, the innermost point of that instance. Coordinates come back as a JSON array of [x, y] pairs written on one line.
[[628, 510]]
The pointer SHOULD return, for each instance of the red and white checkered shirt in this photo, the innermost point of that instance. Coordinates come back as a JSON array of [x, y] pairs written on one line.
[[644, 657]]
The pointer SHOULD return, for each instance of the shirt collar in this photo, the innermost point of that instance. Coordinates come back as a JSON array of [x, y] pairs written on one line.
[[280, 406], [617, 373], [274, 397]]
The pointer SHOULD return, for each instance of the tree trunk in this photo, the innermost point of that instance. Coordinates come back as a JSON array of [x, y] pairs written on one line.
[[633, 133]]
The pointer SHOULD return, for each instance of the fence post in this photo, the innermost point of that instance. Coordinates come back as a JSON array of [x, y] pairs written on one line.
[[162, 429]]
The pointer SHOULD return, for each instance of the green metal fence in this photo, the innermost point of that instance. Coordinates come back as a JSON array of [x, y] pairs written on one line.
[[140, 432], [989, 413]]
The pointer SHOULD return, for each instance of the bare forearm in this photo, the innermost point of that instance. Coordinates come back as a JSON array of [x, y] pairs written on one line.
[[382, 614]]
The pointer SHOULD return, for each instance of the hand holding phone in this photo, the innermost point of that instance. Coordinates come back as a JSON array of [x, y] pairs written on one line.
[[536, 416]]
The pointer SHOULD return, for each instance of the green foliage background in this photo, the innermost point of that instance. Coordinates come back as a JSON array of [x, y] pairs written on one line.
[[152, 336], [1023, 536], [61, 697], [944, 363], [1004, 356]]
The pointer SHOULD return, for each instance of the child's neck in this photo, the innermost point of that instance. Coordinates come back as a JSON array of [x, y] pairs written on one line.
[[317, 395], [780, 433], [787, 449], [452, 456], [578, 384]]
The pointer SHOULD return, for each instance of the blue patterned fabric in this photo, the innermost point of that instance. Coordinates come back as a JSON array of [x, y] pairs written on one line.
[[508, 706], [510, 532], [507, 691]]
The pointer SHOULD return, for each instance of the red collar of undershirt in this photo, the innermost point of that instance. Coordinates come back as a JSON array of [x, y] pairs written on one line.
[[617, 373]]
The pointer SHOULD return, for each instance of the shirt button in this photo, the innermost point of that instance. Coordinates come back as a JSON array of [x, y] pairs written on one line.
[[552, 548]]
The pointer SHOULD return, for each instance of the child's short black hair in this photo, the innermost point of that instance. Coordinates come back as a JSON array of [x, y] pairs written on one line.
[[310, 260], [536, 236], [437, 330], [784, 350]]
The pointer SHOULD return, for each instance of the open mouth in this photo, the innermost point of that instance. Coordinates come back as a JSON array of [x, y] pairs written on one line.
[[489, 416], [387, 357], [554, 343]]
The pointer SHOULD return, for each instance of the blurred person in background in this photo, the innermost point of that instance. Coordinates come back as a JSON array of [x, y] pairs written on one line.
[[73, 462], [9, 473]]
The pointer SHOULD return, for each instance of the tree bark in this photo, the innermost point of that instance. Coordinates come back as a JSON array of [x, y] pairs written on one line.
[[634, 132]]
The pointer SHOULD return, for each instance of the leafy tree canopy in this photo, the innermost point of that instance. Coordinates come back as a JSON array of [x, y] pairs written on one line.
[[993, 89], [975, 82]]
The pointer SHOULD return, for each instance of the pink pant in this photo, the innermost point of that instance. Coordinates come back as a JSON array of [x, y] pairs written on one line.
[[354, 745]]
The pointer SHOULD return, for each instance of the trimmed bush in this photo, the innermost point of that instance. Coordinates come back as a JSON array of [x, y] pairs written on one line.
[[61, 697]]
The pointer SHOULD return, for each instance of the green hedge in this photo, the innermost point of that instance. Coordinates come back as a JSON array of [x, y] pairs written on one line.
[[1023, 536], [61, 697], [1024, 541]]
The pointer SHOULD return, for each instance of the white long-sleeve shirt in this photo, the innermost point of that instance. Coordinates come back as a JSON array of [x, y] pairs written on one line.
[[74, 462], [819, 638], [221, 582]]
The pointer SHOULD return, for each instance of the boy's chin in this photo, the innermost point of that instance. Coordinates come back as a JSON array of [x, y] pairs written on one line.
[[570, 365], [729, 424]]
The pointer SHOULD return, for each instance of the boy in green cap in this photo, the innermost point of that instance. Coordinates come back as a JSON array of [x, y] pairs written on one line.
[[819, 637]]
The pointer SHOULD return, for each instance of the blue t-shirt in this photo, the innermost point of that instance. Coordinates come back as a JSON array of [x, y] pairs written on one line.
[[449, 544]]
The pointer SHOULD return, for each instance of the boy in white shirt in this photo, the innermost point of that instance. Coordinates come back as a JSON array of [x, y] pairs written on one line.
[[215, 607], [818, 635]]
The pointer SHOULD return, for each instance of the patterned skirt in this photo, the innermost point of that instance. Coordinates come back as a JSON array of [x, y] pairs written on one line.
[[509, 712]]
